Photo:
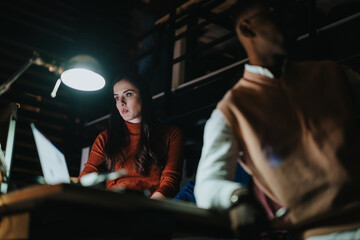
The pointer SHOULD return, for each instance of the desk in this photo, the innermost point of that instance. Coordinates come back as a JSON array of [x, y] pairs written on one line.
[[74, 212]]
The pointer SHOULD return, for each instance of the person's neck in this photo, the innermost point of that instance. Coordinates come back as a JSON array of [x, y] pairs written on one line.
[[275, 64]]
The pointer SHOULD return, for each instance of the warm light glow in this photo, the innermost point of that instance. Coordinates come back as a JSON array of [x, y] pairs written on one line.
[[83, 79]]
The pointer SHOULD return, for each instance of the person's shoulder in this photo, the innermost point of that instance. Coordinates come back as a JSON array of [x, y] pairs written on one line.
[[168, 128], [319, 64], [169, 131], [102, 136], [239, 90], [230, 96]]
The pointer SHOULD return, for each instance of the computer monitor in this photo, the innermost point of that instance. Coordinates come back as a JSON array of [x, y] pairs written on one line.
[[8, 116]]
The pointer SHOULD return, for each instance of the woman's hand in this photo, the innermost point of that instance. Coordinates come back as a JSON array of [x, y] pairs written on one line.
[[157, 195]]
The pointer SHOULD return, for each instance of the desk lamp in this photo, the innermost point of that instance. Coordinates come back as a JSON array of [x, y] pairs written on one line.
[[81, 72]]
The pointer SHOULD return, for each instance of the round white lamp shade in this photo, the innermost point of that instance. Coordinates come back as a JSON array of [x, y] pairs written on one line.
[[83, 72]]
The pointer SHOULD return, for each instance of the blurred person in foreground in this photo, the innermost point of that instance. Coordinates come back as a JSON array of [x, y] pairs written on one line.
[[292, 126]]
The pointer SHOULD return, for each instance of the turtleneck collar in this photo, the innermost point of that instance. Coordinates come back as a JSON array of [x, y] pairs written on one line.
[[134, 128]]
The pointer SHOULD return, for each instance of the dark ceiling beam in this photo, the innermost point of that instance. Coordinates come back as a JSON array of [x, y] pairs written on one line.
[[11, 20], [44, 7], [8, 54], [25, 13], [15, 44], [26, 42]]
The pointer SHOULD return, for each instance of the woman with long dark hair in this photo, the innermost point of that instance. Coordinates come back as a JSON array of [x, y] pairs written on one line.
[[152, 153]]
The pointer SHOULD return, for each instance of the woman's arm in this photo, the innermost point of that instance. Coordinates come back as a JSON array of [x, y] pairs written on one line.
[[96, 157], [172, 172]]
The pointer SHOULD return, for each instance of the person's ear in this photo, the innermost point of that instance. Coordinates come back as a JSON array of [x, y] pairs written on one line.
[[245, 29]]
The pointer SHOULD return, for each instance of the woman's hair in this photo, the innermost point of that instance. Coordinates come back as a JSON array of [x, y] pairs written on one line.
[[118, 136]]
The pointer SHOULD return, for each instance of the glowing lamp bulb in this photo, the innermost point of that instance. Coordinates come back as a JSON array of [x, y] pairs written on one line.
[[82, 79]]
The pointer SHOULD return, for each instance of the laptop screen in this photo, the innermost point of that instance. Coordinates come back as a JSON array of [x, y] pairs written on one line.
[[52, 161], [8, 116]]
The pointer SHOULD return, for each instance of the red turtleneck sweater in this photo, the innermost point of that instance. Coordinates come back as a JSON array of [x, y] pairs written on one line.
[[166, 181]]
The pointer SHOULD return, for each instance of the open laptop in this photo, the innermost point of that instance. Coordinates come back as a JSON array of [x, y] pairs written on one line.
[[52, 161], [54, 166]]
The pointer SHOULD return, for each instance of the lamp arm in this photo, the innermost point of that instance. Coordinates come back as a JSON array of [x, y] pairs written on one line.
[[6, 85], [3, 170]]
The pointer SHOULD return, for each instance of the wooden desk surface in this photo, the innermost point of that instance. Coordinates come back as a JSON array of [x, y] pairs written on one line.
[[73, 210]]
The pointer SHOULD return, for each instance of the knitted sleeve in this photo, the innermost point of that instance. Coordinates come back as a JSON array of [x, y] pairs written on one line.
[[172, 172], [96, 158]]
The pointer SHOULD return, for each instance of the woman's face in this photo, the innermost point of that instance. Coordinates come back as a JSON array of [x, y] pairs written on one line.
[[128, 101]]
